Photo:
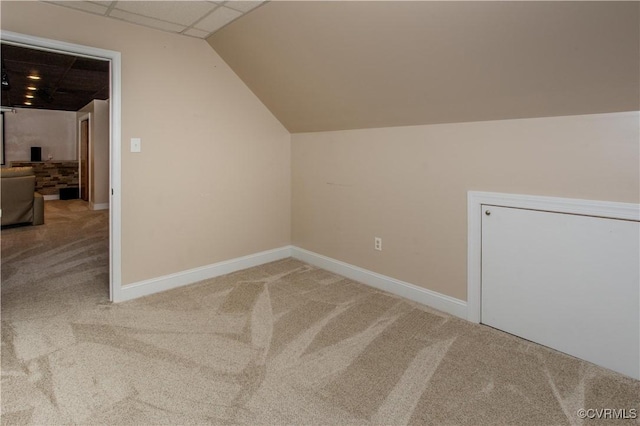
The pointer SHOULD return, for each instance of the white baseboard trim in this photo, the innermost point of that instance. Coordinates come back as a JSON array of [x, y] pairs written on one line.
[[100, 206], [409, 291], [51, 197], [191, 276], [421, 295]]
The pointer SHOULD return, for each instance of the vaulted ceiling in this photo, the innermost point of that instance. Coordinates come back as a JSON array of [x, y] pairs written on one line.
[[332, 65], [350, 64]]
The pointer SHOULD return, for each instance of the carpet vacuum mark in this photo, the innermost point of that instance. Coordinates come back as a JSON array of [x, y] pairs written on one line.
[[282, 343]]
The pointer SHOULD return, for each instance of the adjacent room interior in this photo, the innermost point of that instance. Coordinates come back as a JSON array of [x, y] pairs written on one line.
[[328, 213], [56, 120]]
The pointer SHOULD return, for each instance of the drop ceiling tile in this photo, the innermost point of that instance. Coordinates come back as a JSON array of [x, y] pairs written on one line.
[[148, 22], [217, 19], [85, 6], [179, 12], [193, 32], [243, 6]]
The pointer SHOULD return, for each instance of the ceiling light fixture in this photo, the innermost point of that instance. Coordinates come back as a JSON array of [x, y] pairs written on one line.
[[29, 96], [34, 77], [5, 78], [32, 88], [27, 103]]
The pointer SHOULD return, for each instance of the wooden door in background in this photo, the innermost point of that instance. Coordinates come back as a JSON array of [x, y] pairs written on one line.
[[84, 160]]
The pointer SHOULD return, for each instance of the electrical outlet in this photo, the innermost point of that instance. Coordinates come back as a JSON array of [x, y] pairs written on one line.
[[377, 243]]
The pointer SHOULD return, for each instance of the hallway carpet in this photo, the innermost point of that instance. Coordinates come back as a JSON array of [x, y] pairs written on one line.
[[280, 344]]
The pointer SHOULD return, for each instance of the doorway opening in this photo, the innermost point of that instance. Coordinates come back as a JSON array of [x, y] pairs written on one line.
[[114, 138]]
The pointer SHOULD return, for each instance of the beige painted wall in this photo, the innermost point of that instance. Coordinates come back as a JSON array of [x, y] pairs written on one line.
[[54, 131], [213, 179], [409, 185], [98, 150]]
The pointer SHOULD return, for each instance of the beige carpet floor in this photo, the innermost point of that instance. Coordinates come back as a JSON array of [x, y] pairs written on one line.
[[280, 344]]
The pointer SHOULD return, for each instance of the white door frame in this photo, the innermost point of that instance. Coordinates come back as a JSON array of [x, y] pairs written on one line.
[[115, 207], [475, 201]]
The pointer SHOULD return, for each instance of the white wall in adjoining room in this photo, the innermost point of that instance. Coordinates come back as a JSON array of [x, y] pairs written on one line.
[[54, 131]]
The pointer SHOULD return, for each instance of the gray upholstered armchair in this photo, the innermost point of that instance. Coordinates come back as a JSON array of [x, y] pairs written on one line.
[[19, 201]]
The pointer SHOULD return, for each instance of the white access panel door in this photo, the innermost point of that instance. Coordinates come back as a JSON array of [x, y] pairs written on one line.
[[565, 281]]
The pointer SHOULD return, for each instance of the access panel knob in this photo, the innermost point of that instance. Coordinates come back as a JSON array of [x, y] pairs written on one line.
[[487, 212]]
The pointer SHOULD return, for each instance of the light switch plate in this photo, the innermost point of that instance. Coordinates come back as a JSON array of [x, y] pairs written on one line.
[[136, 145]]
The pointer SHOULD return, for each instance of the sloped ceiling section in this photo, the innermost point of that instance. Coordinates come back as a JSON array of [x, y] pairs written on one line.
[[322, 66]]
